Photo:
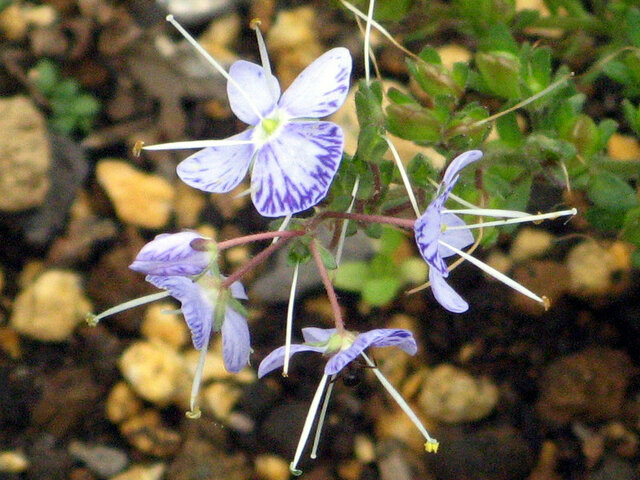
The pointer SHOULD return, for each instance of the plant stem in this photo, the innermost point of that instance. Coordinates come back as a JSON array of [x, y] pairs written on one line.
[[254, 262], [331, 293], [361, 217], [259, 237]]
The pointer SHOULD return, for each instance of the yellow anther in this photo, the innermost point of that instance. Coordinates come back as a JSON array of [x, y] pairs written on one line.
[[255, 23], [194, 414], [137, 148], [431, 446], [546, 302]]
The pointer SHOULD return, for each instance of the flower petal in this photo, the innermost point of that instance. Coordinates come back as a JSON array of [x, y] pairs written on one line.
[[262, 92], [317, 335], [171, 254], [276, 358], [458, 163], [293, 171], [236, 343], [381, 337], [218, 169], [457, 238], [196, 307], [321, 88], [427, 231], [238, 291], [445, 295]]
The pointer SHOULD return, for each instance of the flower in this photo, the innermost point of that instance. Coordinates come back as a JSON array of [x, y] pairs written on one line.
[[344, 347], [294, 156], [184, 265], [440, 233]]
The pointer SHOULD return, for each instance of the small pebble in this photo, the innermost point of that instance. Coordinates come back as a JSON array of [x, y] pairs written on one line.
[[140, 199], [102, 460], [50, 308], [142, 472], [122, 403], [452, 395], [188, 206], [162, 324], [595, 269], [13, 462], [271, 467], [452, 53], [530, 242], [220, 398], [147, 433], [199, 459], [364, 448], [623, 147], [589, 386], [153, 370], [25, 155]]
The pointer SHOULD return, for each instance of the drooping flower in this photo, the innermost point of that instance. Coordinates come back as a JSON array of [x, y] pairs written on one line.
[[343, 348], [292, 155], [440, 233]]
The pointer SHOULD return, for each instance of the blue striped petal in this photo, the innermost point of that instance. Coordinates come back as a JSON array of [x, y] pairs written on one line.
[[294, 170]]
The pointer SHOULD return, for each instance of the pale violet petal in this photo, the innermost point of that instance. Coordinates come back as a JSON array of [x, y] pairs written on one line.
[[218, 169], [196, 307], [381, 337], [171, 254], [238, 291], [256, 93], [427, 230], [457, 238], [458, 163], [317, 335], [445, 295], [276, 358], [294, 170], [236, 342], [321, 88]]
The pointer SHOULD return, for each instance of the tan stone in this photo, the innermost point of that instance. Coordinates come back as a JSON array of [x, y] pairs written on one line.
[[623, 147], [122, 403], [271, 467], [50, 308], [161, 323], [220, 398], [530, 242], [139, 198], [153, 371], [24, 155], [452, 53], [142, 472]]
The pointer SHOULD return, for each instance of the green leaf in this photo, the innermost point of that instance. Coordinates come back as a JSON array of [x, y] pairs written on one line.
[[501, 73], [420, 170], [605, 220], [371, 145], [368, 100], [380, 291], [610, 192], [631, 115], [373, 230], [47, 76], [631, 226], [390, 241], [434, 79], [509, 130], [299, 251], [327, 257], [583, 133], [413, 122], [351, 276], [498, 39], [414, 270]]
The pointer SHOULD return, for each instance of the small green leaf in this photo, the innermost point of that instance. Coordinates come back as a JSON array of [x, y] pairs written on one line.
[[380, 291], [299, 251], [373, 230], [610, 192], [631, 227], [327, 257], [501, 73], [371, 145], [509, 130], [413, 122], [351, 276]]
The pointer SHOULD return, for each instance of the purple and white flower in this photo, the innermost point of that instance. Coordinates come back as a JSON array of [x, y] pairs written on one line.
[[342, 348], [441, 233], [293, 157]]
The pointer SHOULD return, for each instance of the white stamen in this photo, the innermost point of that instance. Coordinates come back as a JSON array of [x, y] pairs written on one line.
[[488, 212], [213, 62], [323, 414], [283, 226], [194, 411], [196, 144], [93, 319], [287, 343], [511, 221], [495, 273], [264, 59], [308, 423], [345, 222], [403, 174], [402, 404], [367, 41]]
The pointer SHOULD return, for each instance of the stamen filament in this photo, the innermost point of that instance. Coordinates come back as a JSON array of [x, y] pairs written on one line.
[[213, 62], [289, 328], [264, 58], [496, 274], [367, 41], [323, 414], [486, 212], [283, 226], [93, 319], [432, 444], [511, 221], [196, 144], [308, 423], [403, 174], [194, 412]]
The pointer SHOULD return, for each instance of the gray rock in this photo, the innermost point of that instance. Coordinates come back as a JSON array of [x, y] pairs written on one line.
[[102, 460]]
